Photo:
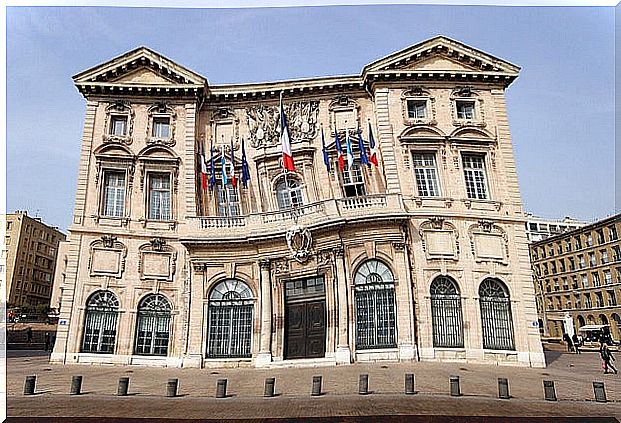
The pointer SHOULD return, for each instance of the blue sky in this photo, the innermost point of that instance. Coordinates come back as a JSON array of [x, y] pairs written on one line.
[[561, 108]]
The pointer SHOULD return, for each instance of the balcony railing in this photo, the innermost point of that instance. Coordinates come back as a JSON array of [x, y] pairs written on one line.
[[308, 214]]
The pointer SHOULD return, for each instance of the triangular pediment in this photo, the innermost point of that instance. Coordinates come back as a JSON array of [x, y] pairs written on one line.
[[141, 66], [441, 54]]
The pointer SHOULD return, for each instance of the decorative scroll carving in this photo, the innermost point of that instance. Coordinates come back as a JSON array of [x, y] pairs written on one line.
[[299, 241], [324, 257], [165, 111], [281, 266], [468, 93], [265, 264], [107, 257], [264, 122], [398, 246], [157, 260], [419, 94]]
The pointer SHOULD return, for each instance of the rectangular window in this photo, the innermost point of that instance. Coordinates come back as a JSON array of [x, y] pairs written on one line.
[[553, 264], [161, 127], [612, 299], [617, 251], [159, 196], [578, 242], [568, 245], [417, 109], [353, 181], [596, 281], [587, 301], [604, 255], [592, 261], [565, 285], [572, 263], [574, 282], [8, 225], [118, 125], [589, 240], [582, 261], [560, 248], [599, 299], [585, 281], [474, 173], [114, 194], [426, 175], [228, 200], [465, 109], [600, 236], [607, 277]]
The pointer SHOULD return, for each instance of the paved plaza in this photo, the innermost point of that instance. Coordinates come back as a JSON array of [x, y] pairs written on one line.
[[573, 376]]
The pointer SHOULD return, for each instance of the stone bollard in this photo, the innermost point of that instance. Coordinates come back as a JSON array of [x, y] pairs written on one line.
[[221, 388], [316, 386], [410, 383], [454, 383], [503, 388], [363, 385], [29, 385], [76, 385], [171, 387], [269, 387], [123, 386], [600, 392], [548, 390]]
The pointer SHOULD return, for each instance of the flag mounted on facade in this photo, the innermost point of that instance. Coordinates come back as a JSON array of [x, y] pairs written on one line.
[[364, 159], [212, 168], [326, 159], [245, 171], [233, 178], [203, 169], [285, 141], [223, 163], [350, 153], [339, 150], [372, 147]]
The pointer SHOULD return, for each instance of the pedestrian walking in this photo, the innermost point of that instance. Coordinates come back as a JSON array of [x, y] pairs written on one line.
[[567, 339], [577, 343], [29, 334], [48, 339], [607, 358]]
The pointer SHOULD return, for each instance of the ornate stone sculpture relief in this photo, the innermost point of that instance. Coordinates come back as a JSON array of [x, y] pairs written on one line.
[[299, 241], [264, 122]]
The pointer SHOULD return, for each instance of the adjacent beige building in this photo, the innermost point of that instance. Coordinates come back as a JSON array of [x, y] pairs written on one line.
[[578, 278], [423, 257], [32, 247]]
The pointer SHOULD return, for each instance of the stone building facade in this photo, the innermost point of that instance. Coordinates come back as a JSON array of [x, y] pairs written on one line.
[[422, 257], [578, 278], [32, 248]]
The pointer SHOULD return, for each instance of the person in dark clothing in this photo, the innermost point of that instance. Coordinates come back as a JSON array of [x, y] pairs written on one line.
[[29, 334], [607, 358], [47, 341], [577, 343], [567, 339]]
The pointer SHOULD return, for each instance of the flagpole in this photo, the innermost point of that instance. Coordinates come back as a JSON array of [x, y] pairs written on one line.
[[322, 152], [283, 128]]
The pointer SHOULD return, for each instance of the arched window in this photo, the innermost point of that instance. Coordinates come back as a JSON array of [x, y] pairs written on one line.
[[581, 321], [603, 319], [230, 320], [289, 194], [153, 326], [100, 323], [374, 293], [446, 315], [496, 315]]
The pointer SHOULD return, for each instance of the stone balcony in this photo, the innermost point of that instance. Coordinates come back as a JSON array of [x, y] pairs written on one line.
[[322, 213]]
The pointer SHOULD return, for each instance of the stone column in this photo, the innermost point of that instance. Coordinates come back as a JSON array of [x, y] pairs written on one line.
[[343, 352], [265, 354], [404, 302]]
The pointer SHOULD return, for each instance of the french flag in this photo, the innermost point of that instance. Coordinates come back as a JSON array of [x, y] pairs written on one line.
[[372, 147], [339, 150], [285, 141], [203, 170]]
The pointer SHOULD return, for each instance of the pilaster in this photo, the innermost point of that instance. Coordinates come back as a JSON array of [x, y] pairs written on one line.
[[265, 355], [85, 161], [343, 352], [386, 141]]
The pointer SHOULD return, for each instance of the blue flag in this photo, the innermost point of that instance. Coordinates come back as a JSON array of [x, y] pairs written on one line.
[[245, 170], [364, 159], [223, 162], [326, 159]]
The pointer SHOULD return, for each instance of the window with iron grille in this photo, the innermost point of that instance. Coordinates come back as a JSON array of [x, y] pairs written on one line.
[[289, 194], [496, 315], [426, 174], [228, 199], [100, 323], [446, 313], [353, 181], [230, 320], [153, 326], [374, 293], [159, 196], [474, 174], [114, 193]]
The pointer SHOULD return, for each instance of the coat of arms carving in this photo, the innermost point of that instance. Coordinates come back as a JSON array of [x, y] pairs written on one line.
[[299, 241], [264, 122]]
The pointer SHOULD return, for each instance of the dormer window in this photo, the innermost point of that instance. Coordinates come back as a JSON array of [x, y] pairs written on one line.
[[118, 125], [161, 127], [417, 109], [465, 109]]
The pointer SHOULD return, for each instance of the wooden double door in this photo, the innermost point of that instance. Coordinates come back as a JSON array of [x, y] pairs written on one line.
[[305, 319]]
